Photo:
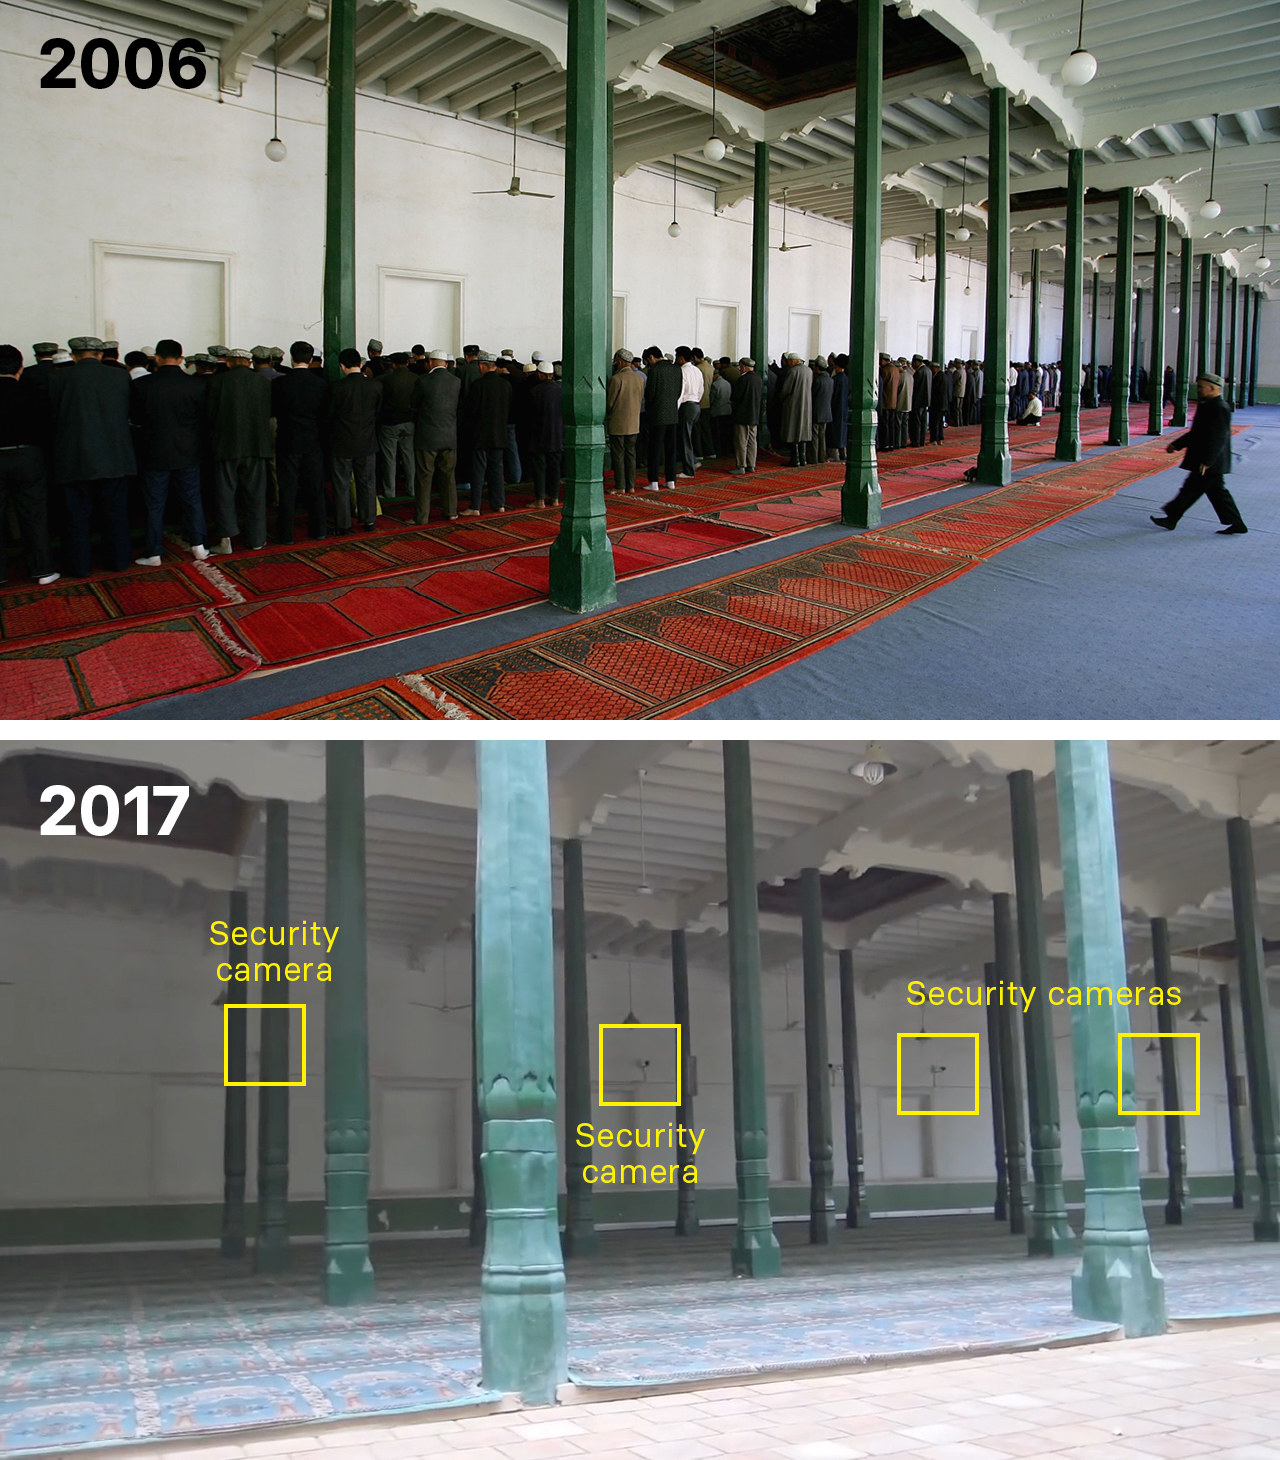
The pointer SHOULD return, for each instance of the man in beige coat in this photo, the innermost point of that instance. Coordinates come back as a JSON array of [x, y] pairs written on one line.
[[624, 395]]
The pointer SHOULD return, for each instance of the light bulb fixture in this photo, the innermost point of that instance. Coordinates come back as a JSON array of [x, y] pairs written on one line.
[[1081, 66], [673, 228], [962, 233], [1264, 261], [631, 1008], [1210, 208], [275, 148], [1199, 1016], [644, 889], [969, 276], [713, 149]]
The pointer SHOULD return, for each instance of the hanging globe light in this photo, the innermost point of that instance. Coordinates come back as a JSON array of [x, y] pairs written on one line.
[[1081, 66], [673, 229], [963, 235], [275, 148], [1264, 262], [713, 149], [1211, 208]]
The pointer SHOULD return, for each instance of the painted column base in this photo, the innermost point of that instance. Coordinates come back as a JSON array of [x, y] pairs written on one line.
[[581, 568], [822, 1222], [1119, 1283], [755, 1251], [271, 1255], [1068, 450], [1174, 1213], [232, 1246], [348, 1277], [687, 1224], [1052, 1240], [1266, 1229], [580, 1241], [756, 1255]]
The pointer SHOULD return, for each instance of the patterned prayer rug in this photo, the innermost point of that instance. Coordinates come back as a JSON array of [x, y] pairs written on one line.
[[686, 649]]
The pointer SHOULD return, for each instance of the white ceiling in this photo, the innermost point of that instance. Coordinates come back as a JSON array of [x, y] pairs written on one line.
[[944, 811], [1146, 120]]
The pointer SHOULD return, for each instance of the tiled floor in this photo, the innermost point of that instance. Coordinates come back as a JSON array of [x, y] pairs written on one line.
[[1212, 1392]]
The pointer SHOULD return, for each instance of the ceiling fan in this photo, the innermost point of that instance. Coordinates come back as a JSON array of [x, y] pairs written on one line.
[[784, 246], [514, 190]]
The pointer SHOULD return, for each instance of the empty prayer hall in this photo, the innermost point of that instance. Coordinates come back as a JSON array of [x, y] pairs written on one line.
[[635, 1067], [627, 359]]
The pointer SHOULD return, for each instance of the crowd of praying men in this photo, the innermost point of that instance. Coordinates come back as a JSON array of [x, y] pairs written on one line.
[[92, 441]]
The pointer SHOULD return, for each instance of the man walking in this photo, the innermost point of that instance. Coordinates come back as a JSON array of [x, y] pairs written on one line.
[[1207, 460], [168, 411], [435, 436]]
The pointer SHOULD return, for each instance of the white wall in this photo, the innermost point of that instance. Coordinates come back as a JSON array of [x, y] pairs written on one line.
[[111, 1049], [186, 172]]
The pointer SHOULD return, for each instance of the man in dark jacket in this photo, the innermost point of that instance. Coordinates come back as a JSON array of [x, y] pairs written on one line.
[[435, 436], [22, 471], [93, 455], [922, 385], [939, 402], [838, 430], [746, 397], [662, 387], [299, 400], [395, 425], [238, 408], [545, 418], [1207, 460], [351, 424], [489, 410], [822, 391], [168, 415]]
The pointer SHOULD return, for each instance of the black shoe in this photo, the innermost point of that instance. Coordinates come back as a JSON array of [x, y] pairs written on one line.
[[1166, 522], [1234, 530]]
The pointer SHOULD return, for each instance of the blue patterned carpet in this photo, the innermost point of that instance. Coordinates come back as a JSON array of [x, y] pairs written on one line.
[[103, 1349]]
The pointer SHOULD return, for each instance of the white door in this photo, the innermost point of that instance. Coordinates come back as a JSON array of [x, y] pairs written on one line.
[[417, 1138], [620, 322], [804, 333], [969, 344], [924, 340], [782, 1136], [717, 330], [147, 297], [421, 311], [902, 1145]]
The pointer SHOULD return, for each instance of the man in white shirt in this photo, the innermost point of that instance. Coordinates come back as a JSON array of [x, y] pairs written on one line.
[[689, 410], [1033, 411]]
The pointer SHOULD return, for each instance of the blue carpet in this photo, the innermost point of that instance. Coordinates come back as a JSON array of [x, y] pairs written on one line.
[[1102, 616], [110, 1349]]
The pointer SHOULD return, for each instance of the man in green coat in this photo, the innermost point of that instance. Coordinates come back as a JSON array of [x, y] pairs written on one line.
[[239, 413]]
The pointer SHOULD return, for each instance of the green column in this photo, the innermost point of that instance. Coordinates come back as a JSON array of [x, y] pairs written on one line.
[[1206, 306], [1093, 345], [235, 1115], [860, 497], [855, 1211], [581, 570], [1229, 389], [1182, 370], [994, 462], [1122, 324], [1049, 1233], [348, 1271], [760, 281], [755, 1250], [1258, 1061], [940, 285], [476, 1225], [339, 331], [1010, 1064], [580, 1237], [1134, 393], [606, 338], [686, 1191], [1068, 446], [1175, 1145], [1117, 1281], [1231, 1075], [995, 1081], [522, 1316], [271, 1247], [1033, 340], [1219, 320], [822, 1206], [1242, 376], [1253, 353], [1155, 372]]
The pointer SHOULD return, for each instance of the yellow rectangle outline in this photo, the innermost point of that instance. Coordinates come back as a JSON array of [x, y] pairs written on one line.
[[1173, 1034], [963, 1034], [633, 1104], [226, 1053]]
